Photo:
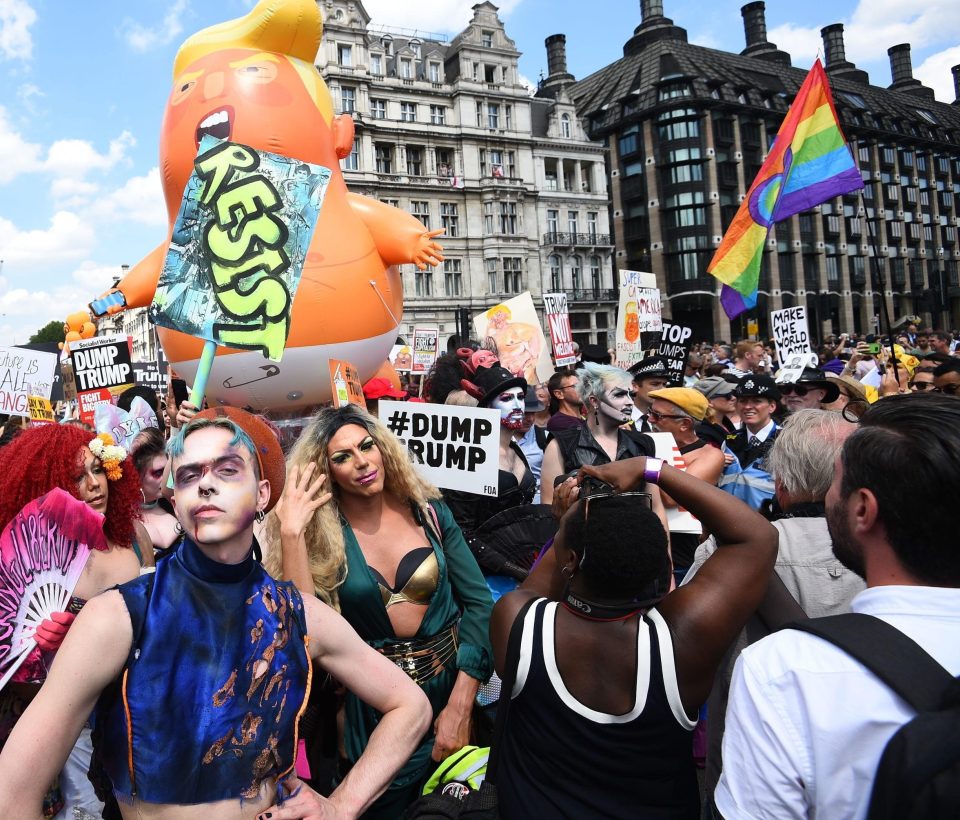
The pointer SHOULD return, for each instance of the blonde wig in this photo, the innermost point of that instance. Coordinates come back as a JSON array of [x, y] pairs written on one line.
[[326, 551]]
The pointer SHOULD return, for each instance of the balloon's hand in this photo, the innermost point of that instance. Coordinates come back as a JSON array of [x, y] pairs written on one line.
[[426, 251], [53, 630], [109, 303]]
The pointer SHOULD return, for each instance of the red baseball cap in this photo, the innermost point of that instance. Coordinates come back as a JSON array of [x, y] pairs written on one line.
[[380, 389]]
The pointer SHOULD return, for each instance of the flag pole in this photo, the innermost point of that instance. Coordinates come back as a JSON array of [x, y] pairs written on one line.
[[879, 278]]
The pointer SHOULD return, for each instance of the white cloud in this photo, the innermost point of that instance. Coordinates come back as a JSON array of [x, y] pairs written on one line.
[[443, 16], [935, 73], [873, 27], [706, 39], [66, 158], [146, 38], [16, 18], [28, 94], [67, 238], [140, 199]]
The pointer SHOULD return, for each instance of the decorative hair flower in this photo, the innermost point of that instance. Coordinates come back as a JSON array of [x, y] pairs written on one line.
[[111, 455]]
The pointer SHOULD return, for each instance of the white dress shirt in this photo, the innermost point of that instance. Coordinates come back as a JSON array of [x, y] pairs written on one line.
[[806, 723]]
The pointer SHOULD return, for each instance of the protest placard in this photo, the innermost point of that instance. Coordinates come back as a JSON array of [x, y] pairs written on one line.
[[55, 393], [101, 370], [793, 369], [558, 321], [426, 343], [639, 322], [238, 247], [674, 346], [24, 372], [791, 333], [401, 357], [512, 330], [150, 374], [345, 384], [41, 411], [457, 448], [678, 519]]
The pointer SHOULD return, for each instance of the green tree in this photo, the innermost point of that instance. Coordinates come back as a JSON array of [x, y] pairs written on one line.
[[52, 331]]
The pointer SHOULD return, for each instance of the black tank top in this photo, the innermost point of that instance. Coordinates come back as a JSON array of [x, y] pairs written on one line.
[[560, 758]]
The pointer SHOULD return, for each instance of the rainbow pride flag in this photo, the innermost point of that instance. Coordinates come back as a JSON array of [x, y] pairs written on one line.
[[809, 163]]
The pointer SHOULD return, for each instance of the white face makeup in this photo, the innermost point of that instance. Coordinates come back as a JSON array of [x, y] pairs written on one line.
[[510, 403], [616, 402]]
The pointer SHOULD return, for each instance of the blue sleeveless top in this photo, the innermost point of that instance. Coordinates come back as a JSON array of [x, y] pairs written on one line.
[[218, 674]]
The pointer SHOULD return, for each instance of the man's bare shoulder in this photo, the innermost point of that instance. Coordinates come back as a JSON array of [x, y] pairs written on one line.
[[104, 620]]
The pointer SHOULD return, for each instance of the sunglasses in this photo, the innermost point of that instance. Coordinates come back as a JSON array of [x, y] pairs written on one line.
[[598, 498], [921, 386], [653, 415], [789, 389]]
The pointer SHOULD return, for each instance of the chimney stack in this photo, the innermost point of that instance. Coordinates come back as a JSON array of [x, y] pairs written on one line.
[[653, 28], [956, 84], [556, 54], [837, 64], [557, 76], [901, 70], [650, 9], [755, 30], [754, 24]]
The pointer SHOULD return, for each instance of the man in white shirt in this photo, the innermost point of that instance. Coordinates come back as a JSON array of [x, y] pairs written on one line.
[[806, 723]]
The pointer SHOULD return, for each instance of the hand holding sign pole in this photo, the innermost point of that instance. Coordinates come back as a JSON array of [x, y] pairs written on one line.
[[237, 251]]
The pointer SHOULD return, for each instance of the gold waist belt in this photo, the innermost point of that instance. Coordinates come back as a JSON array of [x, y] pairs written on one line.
[[423, 659]]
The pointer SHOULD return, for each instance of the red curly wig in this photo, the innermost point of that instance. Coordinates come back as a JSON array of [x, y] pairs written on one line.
[[49, 456]]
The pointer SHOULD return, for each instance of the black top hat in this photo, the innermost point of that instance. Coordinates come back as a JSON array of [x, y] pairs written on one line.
[[486, 383], [649, 368], [761, 386], [815, 377]]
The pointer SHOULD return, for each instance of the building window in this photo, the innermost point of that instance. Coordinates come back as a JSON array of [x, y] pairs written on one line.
[[679, 130], [565, 126], [452, 277], [833, 269], [553, 223], [493, 115], [376, 65], [592, 221], [414, 160], [423, 282], [408, 112], [348, 99], [406, 69], [679, 88], [492, 165], [438, 115], [512, 274], [508, 217], [383, 155], [556, 272], [415, 48], [421, 210], [488, 215], [351, 162], [444, 160], [434, 72], [450, 218], [573, 222], [491, 265], [345, 55], [575, 269], [486, 39], [629, 142], [595, 274], [508, 116], [378, 109], [686, 173]]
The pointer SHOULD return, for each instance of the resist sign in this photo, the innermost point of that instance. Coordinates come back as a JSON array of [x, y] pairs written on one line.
[[791, 333], [456, 448], [558, 319]]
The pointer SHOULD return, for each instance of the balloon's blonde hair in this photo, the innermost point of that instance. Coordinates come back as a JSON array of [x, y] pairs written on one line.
[[292, 28]]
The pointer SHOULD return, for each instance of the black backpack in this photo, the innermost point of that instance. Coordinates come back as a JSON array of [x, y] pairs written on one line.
[[918, 777]]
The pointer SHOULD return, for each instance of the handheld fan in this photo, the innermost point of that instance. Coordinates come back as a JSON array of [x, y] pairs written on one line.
[[42, 553]]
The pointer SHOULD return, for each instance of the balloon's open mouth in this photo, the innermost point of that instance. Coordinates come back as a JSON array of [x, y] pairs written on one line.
[[217, 124]]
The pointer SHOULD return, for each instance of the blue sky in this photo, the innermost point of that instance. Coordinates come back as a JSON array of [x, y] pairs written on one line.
[[84, 87]]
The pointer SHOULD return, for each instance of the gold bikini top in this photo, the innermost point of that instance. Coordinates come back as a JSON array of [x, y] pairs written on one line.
[[418, 575]]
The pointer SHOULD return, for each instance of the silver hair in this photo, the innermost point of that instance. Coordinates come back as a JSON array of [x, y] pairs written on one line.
[[593, 379], [803, 454]]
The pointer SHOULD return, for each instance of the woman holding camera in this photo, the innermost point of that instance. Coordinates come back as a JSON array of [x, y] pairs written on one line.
[[618, 744]]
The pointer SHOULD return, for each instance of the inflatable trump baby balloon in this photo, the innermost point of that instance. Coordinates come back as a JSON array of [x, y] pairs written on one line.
[[253, 81]]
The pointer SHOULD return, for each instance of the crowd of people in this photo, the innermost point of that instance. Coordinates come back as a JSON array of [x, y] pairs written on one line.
[[315, 630]]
